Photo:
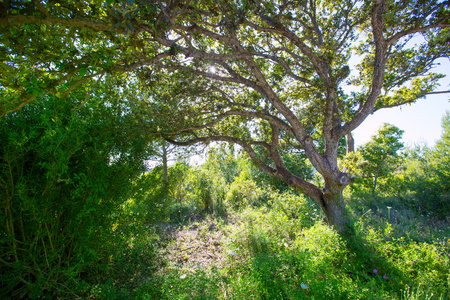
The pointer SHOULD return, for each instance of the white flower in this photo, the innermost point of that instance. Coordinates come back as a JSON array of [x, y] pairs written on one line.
[[183, 276], [232, 253], [304, 286]]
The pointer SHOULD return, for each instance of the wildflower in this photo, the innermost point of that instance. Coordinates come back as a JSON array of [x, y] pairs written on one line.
[[375, 271], [304, 286], [183, 276], [384, 277], [232, 253]]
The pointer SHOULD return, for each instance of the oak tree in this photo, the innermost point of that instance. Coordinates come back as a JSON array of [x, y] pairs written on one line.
[[266, 75]]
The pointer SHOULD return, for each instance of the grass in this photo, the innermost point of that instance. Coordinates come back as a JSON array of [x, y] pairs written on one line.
[[283, 250]]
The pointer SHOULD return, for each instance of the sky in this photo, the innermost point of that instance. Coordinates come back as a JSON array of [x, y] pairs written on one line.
[[420, 121]]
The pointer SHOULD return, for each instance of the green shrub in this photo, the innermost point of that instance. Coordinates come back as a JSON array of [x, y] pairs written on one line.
[[64, 173], [181, 212], [148, 201], [284, 251], [243, 192]]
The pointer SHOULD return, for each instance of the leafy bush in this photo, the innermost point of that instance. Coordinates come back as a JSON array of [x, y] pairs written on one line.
[[181, 212], [284, 251], [243, 192], [149, 201], [130, 265], [422, 180], [428, 184], [64, 172], [183, 284]]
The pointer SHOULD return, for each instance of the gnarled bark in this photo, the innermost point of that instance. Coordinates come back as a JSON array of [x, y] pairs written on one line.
[[335, 211]]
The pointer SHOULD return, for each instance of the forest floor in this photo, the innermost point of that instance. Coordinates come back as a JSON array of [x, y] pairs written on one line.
[[195, 245], [405, 257]]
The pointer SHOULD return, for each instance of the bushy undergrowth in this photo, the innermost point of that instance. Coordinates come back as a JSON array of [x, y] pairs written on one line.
[[277, 246], [64, 172], [129, 265], [275, 243], [283, 250]]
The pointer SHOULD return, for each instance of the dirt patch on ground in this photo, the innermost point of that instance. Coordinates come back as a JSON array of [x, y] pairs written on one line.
[[198, 245]]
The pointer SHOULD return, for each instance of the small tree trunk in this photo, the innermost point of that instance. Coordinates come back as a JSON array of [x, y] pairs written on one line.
[[350, 143], [165, 178], [375, 180], [164, 165]]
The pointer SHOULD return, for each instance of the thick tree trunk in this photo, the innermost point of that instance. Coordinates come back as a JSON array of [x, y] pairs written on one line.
[[336, 212], [329, 199]]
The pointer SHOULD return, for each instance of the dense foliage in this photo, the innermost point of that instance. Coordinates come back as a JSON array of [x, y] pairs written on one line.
[[89, 88], [274, 243], [427, 176], [266, 75], [276, 246], [65, 171]]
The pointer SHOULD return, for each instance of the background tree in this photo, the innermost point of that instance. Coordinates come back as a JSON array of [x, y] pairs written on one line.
[[260, 74], [440, 158], [162, 152], [427, 175], [379, 157]]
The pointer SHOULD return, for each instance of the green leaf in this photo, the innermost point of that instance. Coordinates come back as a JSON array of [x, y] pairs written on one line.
[[130, 27], [116, 25], [83, 71], [6, 67]]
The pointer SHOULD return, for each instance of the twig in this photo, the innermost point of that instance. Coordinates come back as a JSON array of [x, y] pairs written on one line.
[[89, 93], [365, 213], [187, 248]]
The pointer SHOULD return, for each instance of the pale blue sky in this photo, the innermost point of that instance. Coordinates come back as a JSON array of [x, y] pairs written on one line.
[[421, 121]]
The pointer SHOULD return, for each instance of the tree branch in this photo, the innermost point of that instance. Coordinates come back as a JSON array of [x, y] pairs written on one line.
[[142, 63], [217, 138], [201, 73], [282, 173], [41, 8], [285, 66], [378, 69], [437, 92], [412, 100], [401, 34], [20, 19], [264, 116]]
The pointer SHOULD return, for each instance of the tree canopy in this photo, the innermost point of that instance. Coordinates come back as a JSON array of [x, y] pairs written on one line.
[[270, 76]]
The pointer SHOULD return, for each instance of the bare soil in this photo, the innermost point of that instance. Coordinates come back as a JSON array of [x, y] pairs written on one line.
[[197, 245]]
